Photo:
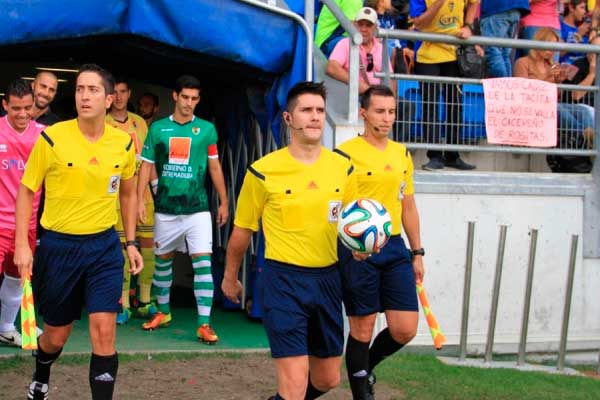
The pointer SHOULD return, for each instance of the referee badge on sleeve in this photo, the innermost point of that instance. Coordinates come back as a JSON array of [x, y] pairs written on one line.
[[113, 183], [401, 191], [334, 210]]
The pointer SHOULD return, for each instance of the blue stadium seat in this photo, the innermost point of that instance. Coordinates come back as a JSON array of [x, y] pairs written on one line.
[[473, 111]]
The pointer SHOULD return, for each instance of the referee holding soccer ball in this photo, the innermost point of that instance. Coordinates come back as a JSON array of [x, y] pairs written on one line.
[[297, 192], [384, 282]]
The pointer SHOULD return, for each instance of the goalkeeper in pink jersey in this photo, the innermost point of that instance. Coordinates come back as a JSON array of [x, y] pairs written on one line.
[[18, 134]]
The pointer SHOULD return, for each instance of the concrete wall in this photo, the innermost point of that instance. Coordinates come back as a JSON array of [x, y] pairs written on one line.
[[552, 204]]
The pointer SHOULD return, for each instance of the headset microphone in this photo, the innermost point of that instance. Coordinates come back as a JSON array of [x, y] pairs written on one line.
[[289, 121]]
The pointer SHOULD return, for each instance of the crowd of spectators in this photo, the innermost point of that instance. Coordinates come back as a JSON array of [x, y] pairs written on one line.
[[569, 21]]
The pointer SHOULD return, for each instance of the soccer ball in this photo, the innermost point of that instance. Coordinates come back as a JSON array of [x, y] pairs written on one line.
[[364, 225]]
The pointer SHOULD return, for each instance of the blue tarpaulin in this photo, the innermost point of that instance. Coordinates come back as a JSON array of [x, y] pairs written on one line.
[[227, 29]]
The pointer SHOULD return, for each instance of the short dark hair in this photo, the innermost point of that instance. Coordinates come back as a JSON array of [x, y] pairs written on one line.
[[301, 88], [107, 79], [43, 71], [122, 79], [18, 88], [187, 82], [153, 96], [375, 90]]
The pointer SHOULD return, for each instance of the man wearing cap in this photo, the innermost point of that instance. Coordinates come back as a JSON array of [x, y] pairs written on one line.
[[370, 53]]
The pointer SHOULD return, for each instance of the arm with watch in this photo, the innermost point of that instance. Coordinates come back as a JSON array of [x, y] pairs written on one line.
[[411, 225], [128, 201], [468, 28]]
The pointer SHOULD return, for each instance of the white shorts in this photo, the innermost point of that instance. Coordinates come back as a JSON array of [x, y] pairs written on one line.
[[191, 234]]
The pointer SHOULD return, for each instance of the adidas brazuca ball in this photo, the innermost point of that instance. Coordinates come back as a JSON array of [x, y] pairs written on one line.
[[364, 225]]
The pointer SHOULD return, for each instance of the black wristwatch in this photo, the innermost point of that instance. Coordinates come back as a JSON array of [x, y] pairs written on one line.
[[418, 252], [132, 243]]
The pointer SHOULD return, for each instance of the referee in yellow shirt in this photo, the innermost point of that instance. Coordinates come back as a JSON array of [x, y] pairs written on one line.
[[384, 282], [297, 192], [86, 165]]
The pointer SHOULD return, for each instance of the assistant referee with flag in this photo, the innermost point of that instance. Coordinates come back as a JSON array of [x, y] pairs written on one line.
[[85, 164]]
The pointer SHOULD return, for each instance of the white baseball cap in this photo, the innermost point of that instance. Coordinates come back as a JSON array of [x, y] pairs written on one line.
[[368, 14]]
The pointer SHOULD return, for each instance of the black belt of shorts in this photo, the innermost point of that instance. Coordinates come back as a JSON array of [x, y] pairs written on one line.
[[77, 237], [293, 267]]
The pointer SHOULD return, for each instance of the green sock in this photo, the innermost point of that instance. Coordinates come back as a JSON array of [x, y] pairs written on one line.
[[203, 287], [161, 282]]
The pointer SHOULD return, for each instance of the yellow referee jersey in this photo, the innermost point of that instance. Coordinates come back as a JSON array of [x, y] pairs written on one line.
[[81, 178], [136, 128], [299, 205], [383, 175]]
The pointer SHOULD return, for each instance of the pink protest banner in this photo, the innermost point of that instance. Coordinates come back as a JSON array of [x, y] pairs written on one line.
[[520, 112]]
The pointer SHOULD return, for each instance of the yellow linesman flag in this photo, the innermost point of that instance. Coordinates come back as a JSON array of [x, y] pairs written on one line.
[[436, 332], [28, 327]]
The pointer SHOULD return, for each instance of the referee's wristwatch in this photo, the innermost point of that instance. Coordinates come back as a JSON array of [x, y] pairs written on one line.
[[132, 243], [418, 252]]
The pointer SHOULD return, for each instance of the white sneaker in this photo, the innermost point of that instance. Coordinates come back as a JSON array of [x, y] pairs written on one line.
[[37, 391], [12, 338]]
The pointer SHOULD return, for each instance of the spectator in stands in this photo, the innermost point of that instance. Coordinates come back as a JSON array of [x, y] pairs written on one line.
[[544, 14], [438, 59], [389, 18], [500, 18], [370, 53], [585, 76], [539, 64], [575, 28], [329, 31]]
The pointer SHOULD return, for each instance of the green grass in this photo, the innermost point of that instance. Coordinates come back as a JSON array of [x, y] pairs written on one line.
[[425, 378]]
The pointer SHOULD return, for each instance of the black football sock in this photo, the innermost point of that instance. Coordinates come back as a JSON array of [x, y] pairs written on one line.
[[103, 374], [383, 346], [357, 362], [311, 391], [43, 362]]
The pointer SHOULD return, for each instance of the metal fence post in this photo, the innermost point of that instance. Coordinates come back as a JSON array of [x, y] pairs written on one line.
[[464, 325], [527, 303], [495, 295], [560, 365], [385, 64], [353, 84]]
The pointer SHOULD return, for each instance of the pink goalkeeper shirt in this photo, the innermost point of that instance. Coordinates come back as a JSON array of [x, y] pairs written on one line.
[[14, 152]]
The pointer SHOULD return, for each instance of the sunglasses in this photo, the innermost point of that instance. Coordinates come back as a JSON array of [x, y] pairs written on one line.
[[369, 62]]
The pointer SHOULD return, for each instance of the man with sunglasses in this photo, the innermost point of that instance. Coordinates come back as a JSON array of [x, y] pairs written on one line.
[[370, 53]]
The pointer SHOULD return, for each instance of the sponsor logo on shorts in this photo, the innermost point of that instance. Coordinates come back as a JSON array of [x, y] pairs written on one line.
[[157, 245], [113, 183], [179, 150], [334, 210], [3, 148]]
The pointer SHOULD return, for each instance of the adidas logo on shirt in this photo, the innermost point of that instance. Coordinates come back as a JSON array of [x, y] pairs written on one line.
[[312, 185]]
